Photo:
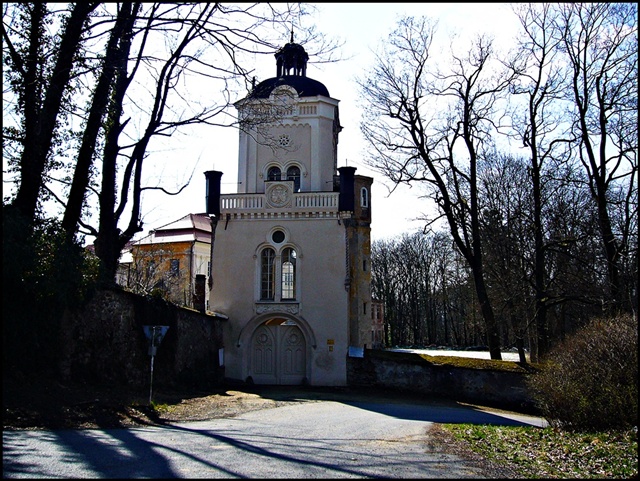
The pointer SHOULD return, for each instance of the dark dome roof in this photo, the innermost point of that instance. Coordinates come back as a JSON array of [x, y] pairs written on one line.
[[291, 70], [305, 86]]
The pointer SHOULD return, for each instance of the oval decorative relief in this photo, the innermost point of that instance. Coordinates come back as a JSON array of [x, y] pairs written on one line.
[[279, 196]]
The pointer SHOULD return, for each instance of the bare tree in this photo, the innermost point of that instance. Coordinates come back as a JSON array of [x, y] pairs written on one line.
[[433, 127], [600, 42], [540, 127], [116, 53], [506, 219], [385, 285], [427, 290], [154, 56], [575, 259]]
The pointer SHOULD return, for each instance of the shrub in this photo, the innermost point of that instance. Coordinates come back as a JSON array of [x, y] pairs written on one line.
[[42, 275], [590, 381]]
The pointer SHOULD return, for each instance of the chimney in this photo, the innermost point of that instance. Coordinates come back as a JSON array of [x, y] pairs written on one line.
[[213, 192], [346, 199], [198, 295]]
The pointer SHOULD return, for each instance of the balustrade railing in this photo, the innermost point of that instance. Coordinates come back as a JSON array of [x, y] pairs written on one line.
[[299, 202]]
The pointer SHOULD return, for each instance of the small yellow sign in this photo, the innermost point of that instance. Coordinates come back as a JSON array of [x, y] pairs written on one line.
[[330, 342]]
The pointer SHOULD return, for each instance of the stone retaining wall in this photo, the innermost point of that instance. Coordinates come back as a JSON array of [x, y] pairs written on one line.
[[105, 342], [488, 383]]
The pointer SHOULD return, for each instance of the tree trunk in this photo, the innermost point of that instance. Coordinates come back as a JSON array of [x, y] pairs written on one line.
[[40, 130], [493, 336], [84, 161], [110, 241]]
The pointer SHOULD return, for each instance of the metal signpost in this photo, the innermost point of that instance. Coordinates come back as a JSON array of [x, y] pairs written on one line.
[[155, 334]]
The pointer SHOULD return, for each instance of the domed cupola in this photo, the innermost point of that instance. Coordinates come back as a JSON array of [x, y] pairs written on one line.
[[291, 63], [292, 57]]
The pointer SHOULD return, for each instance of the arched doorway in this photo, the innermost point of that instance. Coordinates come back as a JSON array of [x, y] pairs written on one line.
[[278, 353]]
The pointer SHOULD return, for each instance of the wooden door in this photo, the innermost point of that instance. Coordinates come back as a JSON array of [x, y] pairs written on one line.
[[292, 355], [263, 356], [278, 354]]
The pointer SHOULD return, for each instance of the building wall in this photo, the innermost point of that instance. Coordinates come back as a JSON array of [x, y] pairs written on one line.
[[193, 258], [359, 234], [321, 302], [331, 240], [311, 143], [298, 152]]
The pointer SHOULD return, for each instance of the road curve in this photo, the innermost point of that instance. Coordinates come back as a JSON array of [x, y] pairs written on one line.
[[314, 439]]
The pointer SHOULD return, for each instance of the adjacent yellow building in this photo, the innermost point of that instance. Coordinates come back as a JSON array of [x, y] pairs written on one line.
[[167, 261]]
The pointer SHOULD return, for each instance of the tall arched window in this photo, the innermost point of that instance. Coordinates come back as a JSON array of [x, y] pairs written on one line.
[[267, 274], [273, 173], [364, 197], [288, 273], [293, 173]]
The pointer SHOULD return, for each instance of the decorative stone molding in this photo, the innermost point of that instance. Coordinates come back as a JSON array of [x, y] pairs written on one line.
[[279, 195], [289, 308]]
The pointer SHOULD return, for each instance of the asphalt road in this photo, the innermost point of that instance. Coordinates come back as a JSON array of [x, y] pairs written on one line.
[[317, 439]]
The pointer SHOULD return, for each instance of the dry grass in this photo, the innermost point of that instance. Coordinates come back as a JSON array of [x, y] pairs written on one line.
[[552, 452]]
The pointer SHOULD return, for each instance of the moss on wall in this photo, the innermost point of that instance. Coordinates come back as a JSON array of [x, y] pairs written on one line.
[[500, 384]]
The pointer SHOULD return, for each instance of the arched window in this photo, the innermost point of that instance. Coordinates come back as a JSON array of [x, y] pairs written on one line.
[[288, 273], [293, 173], [364, 197], [278, 273], [267, 274], [273, 173]]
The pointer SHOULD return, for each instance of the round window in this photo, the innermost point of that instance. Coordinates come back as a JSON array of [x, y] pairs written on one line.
[[277, 236], [284, 140]]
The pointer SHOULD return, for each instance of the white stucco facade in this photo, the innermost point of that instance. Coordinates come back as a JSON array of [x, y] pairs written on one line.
[[290, 249]]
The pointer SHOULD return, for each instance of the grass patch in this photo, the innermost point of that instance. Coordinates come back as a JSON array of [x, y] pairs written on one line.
[[473, 363], [552, 452], [160, 407], [453, 361]]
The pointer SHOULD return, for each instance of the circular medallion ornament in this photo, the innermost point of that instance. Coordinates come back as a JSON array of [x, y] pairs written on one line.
[[279, 196]]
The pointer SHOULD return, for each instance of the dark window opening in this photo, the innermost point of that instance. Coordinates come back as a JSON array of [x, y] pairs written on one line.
[[289, 274], [267, 274], [175, 267], [273, 173], [293, 173]]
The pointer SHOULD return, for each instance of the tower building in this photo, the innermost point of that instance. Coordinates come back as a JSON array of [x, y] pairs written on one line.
[[290, 255]]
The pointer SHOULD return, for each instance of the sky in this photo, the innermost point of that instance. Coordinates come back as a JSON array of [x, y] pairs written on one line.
[[362, 27]]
